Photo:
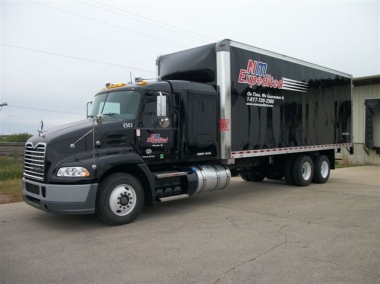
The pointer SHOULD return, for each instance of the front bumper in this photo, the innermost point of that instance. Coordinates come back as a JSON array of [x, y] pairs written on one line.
[[73, 199]]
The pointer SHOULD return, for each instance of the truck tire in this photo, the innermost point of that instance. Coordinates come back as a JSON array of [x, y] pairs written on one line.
[[303, 170], [288, 171], [120, 199], [321, 169], [255, 176]]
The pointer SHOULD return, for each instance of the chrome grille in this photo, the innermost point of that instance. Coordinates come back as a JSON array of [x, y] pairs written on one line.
[[34, 160]]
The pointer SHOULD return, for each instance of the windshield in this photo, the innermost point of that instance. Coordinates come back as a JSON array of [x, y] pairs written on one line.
[[121, 104]]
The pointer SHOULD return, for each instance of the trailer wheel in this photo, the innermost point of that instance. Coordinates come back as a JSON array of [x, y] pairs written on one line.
[[120, 199], [244, 176], [303, 170], [255, 176], [321, 169], [288, 171]]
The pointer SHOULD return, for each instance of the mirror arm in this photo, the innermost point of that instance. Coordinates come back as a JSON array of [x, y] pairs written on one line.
[[99, 120]]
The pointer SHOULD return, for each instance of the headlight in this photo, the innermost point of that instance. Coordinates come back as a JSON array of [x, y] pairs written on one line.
[[73, 172]]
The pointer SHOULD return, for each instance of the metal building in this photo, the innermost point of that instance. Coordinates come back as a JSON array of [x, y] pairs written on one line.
[[366, 120]]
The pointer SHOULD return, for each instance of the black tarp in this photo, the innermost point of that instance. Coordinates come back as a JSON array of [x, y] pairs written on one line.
[[196, 65]]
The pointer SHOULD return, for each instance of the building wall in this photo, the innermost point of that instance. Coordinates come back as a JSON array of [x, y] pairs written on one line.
[[358, 111]]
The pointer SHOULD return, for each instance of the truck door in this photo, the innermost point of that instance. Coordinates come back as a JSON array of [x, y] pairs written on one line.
[[157, 139], [201, 128]]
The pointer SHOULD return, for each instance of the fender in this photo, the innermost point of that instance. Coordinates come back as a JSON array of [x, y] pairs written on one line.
[[150, 178], [106, 163]]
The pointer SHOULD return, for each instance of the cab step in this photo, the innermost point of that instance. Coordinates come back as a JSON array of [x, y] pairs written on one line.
[[174, 197], [169, 174]]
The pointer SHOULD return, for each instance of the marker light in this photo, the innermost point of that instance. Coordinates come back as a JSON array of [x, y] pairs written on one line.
[[112, 86], [143, 83], [73, 172]]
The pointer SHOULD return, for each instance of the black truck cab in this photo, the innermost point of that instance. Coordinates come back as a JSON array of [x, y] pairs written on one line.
[[155, 132]]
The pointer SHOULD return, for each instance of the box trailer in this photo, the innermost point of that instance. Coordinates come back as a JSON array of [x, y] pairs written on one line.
[[215, 111]]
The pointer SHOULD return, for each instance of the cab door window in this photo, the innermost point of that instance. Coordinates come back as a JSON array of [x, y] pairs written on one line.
[[149, 116]]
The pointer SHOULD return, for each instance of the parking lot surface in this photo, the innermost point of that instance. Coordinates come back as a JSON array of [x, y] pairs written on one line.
[[265, 232]]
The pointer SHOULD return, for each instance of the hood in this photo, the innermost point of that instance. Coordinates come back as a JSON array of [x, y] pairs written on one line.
[[64, 132], [75, 130], [67, 134], [58, 150]]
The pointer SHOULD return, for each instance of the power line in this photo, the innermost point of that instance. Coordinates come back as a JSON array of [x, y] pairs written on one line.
[[152, 24], [105, 23], [55, 111], [73, 57], [162, 23], [132, 17]]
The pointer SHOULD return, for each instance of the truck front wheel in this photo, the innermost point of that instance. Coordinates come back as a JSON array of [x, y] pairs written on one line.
[[120, 199]]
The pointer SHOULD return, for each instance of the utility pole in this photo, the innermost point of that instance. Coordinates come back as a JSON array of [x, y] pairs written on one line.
[[3, 105]]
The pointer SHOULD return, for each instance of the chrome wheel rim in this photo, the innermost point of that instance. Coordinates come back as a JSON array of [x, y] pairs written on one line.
[[306, 171], [324, 169], [122, 200]]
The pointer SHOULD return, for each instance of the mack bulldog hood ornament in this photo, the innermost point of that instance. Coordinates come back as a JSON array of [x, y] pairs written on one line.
[[41, 132]]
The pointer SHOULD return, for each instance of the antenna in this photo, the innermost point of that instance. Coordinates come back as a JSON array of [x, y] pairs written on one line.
[[130, 74]]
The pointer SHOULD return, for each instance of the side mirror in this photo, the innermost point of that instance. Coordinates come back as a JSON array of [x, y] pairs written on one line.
[[89, 103], [161, 105], [164, 122]]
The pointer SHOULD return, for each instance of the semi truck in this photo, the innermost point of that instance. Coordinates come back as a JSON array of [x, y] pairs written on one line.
[[214, 112]]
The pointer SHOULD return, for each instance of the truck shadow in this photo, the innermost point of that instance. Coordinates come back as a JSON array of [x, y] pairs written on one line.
[[67, 222]]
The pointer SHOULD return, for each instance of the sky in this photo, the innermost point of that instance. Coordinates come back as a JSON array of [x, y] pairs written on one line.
[[55, 55]]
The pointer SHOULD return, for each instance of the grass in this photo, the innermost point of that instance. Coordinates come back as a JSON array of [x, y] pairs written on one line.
[[10, 179], [18, 137], [10, 168], [10, 191]]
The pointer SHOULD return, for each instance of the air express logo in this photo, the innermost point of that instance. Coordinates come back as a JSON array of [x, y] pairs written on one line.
[[156, 138], [256, 74]]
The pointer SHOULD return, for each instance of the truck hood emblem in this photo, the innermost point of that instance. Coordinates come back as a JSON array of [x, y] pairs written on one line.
[[41, 132]]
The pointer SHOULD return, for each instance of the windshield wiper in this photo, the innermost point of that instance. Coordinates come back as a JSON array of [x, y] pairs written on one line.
[[110, 114]]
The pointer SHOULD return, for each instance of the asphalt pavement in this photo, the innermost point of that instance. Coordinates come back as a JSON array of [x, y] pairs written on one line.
[[265, 232]]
